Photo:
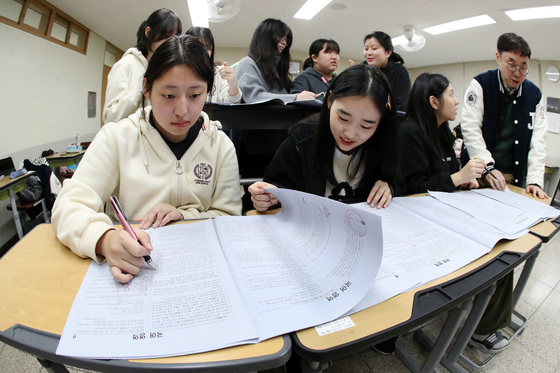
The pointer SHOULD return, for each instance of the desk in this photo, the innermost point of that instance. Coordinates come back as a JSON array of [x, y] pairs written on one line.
[[407, 311], [65, 159], [9, 188], [545, 230], [38, 291]]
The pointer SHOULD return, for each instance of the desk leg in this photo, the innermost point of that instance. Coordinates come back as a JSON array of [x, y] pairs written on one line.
[[52, 367], [524, 277], [308, 366], [456, 353], [15, 213], [437, 349]]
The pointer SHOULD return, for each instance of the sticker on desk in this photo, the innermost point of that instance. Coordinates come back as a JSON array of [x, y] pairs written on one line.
[[335, 326]]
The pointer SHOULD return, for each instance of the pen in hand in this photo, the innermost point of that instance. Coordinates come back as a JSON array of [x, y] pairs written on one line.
[[126, 226], [489, 171]]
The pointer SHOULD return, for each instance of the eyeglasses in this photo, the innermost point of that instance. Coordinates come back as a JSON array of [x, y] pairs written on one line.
[[522, 70]]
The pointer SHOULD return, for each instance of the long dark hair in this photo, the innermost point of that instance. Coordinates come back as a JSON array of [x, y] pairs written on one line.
[[179, 51], [163, 23], [385, 41], [317, 46], [379, 154], [205, 36], [264, 50], [421, 111]]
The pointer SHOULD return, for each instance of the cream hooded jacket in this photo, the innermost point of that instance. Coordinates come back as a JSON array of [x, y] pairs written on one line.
[[130, 159], [124, 86]]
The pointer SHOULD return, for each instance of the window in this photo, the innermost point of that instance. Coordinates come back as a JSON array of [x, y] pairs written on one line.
[[11, 9], [40, 18], [60, 29]]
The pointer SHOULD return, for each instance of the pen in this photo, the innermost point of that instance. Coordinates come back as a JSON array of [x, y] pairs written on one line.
[[489, 171], [126, 226], [324, 80]]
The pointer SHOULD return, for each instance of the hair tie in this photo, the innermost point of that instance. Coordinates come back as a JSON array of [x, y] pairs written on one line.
[[388, 104]]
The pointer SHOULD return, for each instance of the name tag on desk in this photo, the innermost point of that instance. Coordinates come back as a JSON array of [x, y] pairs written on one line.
[[335, 326]]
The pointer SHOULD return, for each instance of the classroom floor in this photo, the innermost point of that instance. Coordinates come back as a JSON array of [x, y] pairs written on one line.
[[535, 350]]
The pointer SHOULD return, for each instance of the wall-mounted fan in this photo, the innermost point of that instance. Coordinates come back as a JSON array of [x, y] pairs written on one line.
[[222, 10], [414, 41]]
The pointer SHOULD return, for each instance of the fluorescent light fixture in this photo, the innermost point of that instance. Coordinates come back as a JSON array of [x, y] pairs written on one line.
[[199, 12], [534, 13], [460, 24], [399, 40], [310, 8]]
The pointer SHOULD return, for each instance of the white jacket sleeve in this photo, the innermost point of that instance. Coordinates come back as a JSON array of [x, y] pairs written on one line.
[[537, 148], [249, 79], [222, 90], [78, 219], [471, 123], [122, 97]]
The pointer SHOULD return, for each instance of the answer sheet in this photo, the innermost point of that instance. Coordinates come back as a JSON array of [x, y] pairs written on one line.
[[230, 281], [304, 266], [162, 312], [416, 249], [504, 210]]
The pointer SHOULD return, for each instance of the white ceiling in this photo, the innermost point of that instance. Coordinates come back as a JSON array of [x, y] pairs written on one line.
[[117, 22]]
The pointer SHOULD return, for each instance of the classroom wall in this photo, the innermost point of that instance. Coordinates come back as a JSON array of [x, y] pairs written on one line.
[[44, 99]]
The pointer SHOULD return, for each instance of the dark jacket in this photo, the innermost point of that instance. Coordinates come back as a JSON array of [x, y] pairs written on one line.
[[399, 81], [421, 168], [310, 80], [495, 100], [292, 167]]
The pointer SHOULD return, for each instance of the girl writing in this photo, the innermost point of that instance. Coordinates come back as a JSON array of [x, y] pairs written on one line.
[[264, 73], [429, 161], [164, 163]]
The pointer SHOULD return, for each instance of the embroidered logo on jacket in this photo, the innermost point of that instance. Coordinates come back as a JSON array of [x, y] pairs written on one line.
[[472, 98], [202, 172]]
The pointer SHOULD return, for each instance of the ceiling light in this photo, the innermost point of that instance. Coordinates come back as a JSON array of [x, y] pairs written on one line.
[[534, 13], [199, 13], [310, 8], [460, 24]]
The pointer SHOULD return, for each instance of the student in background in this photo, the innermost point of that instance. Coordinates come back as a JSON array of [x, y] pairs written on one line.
[[225, 87], [164, 163], [264, 73], [428, 159], [319, 68], [379, 52], [124, 84], [504, 120], [349, 152]]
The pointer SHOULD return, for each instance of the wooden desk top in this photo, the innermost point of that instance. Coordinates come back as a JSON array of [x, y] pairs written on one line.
[[65, 155], [39, 278], [6, 182]]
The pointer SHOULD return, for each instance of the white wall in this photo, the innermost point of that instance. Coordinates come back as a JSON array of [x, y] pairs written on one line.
[[44, 98]]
